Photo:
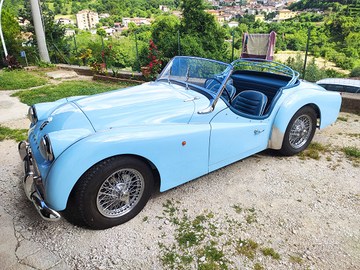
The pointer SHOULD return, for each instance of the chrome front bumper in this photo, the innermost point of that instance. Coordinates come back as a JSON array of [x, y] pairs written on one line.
[[31, 179]]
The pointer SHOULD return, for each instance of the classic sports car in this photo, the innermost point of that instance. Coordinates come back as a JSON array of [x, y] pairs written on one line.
[[101, 156]]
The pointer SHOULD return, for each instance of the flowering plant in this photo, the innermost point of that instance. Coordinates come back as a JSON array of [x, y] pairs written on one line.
[[101, 67], [106, 55], [154, 66]]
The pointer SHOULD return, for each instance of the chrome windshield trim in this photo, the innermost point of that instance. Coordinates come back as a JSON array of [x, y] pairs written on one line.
[[213, 102], [213, 99]]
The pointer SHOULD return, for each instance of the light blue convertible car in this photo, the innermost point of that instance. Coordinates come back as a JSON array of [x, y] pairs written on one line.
[[100, 157]]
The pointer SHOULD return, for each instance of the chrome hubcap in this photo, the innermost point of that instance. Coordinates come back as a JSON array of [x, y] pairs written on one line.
[[300, 131], [120, 193]]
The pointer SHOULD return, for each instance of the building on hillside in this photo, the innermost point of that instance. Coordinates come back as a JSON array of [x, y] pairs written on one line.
[[117, 25], [86, 19], [177, 13], [260, 17], [213, 12], [92, 31], [136, 20], [69, 32], [104, 15], [220, 19], [164, 8], [109, 30], [233, 24], [22, 22], [284, 14], [64, 21]]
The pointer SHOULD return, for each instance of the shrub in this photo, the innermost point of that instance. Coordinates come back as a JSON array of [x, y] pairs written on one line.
[[355, 72]]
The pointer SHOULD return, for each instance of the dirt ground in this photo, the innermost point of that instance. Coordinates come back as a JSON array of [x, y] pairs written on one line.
[[306, 210]]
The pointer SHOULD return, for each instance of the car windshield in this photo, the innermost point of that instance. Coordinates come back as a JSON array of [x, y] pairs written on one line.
[[197, 73]]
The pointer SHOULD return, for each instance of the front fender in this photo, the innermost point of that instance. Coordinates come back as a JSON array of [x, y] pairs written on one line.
[[326, 103], [179, 153]]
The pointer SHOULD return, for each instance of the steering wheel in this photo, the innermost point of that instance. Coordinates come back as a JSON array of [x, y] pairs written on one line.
[[215, 79]]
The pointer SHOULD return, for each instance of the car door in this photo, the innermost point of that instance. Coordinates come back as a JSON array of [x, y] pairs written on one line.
[[234, 137]]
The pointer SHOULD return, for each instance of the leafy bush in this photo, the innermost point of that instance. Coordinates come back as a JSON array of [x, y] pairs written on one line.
[[312, 71], [355, 72]]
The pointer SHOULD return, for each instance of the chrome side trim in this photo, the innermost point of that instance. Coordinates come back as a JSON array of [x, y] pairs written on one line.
[[276, 139], [31, 190]]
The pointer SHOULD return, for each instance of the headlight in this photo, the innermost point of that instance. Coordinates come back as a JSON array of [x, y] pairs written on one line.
[[32, 115], [45, 148]]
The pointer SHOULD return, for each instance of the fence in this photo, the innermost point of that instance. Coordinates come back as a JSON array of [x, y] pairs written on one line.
[[130, 52]]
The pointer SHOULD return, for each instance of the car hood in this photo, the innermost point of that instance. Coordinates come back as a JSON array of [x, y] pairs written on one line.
[[146, 104]]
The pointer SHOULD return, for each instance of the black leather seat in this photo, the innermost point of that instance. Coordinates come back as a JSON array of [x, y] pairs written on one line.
[[250, 102]]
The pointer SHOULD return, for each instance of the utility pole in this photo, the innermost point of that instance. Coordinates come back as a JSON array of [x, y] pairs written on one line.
[[39, 31], [1, 33]]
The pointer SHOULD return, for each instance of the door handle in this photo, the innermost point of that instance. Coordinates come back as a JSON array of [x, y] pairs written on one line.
[[258, 131]]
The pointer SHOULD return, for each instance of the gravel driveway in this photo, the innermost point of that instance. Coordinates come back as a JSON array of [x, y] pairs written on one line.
[[305, 212]]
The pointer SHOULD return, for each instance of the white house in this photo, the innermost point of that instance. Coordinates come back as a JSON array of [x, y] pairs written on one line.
[[65, 21], [233, 24]]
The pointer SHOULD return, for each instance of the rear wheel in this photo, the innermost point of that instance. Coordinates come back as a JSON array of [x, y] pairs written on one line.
[[299, 132], [113, 191]]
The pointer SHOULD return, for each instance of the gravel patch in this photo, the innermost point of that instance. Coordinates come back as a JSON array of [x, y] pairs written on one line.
[[306, 210]]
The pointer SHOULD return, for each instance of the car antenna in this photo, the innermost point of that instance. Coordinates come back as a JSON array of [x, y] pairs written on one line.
[[187, 77]]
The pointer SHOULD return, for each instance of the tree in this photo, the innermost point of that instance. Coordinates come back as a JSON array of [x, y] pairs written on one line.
[[198, 27], [11, 31], [54, 33], [101, 32], [164, 34]]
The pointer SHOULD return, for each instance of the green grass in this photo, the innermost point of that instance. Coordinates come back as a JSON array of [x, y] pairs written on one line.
[[247, 249], [342, 119], [20, 80], [12, 134], [271, 252], [200, 243], [66, 89], [351, 151], [313, 151]]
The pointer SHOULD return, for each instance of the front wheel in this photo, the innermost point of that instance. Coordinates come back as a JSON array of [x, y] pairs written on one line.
[[113, 191], [299, 132]]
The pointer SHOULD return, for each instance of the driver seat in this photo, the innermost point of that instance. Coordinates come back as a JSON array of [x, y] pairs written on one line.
[[250, 102], [214, 85]]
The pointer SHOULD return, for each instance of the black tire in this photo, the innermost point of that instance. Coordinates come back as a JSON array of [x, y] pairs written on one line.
[[112, 192], [299, 132]]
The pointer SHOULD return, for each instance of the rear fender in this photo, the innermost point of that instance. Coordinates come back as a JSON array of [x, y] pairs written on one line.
[[326, 105]]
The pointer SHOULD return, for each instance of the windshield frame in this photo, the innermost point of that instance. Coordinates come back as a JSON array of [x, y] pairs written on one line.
[[212, 97]]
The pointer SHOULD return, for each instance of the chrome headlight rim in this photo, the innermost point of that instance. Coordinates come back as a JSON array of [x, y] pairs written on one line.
[[45, 148], [32, 115]]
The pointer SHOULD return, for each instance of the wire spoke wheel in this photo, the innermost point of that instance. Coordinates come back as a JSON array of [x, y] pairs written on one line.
[[300, 131], [112, 192], [120, 193]]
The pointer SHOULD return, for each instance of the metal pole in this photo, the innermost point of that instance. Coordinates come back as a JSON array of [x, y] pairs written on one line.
[[137, 53], [102, 43], [56, 58], [39, 31], [307, 48], [77, 56], [1, 33], [179, 42], [232, 53], [62, 55]]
